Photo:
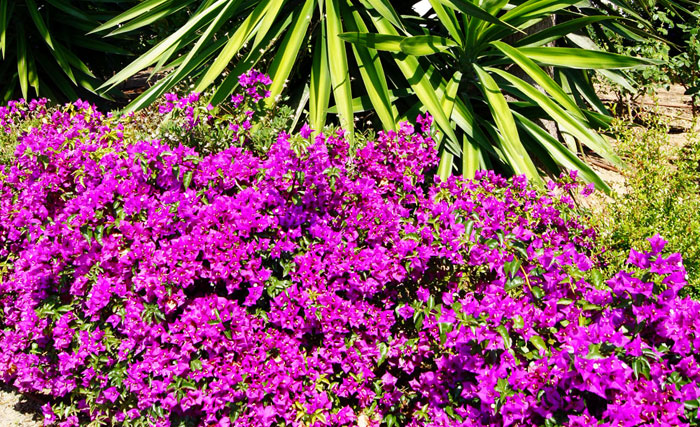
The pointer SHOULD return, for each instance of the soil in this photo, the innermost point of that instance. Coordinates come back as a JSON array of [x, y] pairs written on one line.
[[18, 410], [676, 109]]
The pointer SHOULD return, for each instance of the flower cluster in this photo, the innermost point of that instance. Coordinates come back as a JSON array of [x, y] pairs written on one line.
[[187, 105], [255, 85], [319, 285], [17, 111]]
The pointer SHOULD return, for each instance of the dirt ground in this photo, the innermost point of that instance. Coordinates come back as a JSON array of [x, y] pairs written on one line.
[[25, 411], [676, 110], [17, 410]]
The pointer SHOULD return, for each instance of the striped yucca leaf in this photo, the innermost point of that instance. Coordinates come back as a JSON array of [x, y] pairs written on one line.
[[487, 71]]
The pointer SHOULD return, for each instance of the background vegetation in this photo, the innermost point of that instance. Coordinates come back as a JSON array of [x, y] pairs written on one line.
[[454, 257], [662, 195]]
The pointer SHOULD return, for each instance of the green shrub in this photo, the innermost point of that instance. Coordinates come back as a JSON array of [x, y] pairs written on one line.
[[662, 195], [46, 52], [309, 285], [678, 59], [458, 62], [15, 120], [684, 66]]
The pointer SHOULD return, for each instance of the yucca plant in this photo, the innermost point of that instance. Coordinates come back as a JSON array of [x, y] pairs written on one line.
[[45, 48], [456, 62]]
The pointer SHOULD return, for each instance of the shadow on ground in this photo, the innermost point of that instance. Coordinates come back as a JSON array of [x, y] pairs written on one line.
[[17, 410]]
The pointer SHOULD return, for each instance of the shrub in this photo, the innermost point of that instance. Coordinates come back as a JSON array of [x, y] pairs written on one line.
[[15, 119], [677, 22], [145, 284], [459, 61], [662, 195], [46, 52]]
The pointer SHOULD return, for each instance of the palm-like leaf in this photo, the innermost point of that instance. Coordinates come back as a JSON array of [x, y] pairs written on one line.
[[454, 63], [46, 50]]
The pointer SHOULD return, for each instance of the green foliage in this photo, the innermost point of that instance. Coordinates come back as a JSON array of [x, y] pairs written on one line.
[[175, 127], [677, 48], [685, 66], [662, 195], [458, 62], [46, 52], [645, 80], [21, 119]]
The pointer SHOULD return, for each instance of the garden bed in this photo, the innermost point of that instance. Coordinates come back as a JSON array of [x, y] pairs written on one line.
[[423, 296]]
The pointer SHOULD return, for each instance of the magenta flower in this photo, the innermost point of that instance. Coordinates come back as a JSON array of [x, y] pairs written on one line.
[[151, 282]]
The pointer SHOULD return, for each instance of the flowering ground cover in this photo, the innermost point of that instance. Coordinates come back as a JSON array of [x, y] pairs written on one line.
[[186, 281]]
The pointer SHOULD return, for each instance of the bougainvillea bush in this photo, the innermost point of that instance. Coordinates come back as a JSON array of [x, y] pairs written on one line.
[[145, 282]]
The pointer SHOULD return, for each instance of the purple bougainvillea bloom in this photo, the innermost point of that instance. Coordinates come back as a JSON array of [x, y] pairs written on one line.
[[111, 394], [309, 283], [306, 131]]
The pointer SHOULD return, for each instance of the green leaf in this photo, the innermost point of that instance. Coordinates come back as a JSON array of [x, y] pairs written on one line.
[[149, 18], [586, 306], [537, 292], [71, 10], [447, 19], [510, 268], [383, 352], [448, 103], [255, 54], [187, 179], [154, 54], [446, 164], [692, 404], [137, 11], [561, 154], [571, 57], [268, 21], [620, 78], [72, 59], [532, 10], [420, 83], [518, 322], [56, 75], [539, 343], [364, 103], [387, 42], [473, 11], [338, 65], [641, 367], [32, 74], [288, 52], [444, 329], [38, 22], [22, 72], [583, 87], [165, 84], [425, 45], [87, 231], [4, 23], [418, 317], [236, 41], [196, 365], [320, 85], [503, 332], [513, 147], [386, 10], [570, 123], [372, 74], [540, 77], [558, 31]]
